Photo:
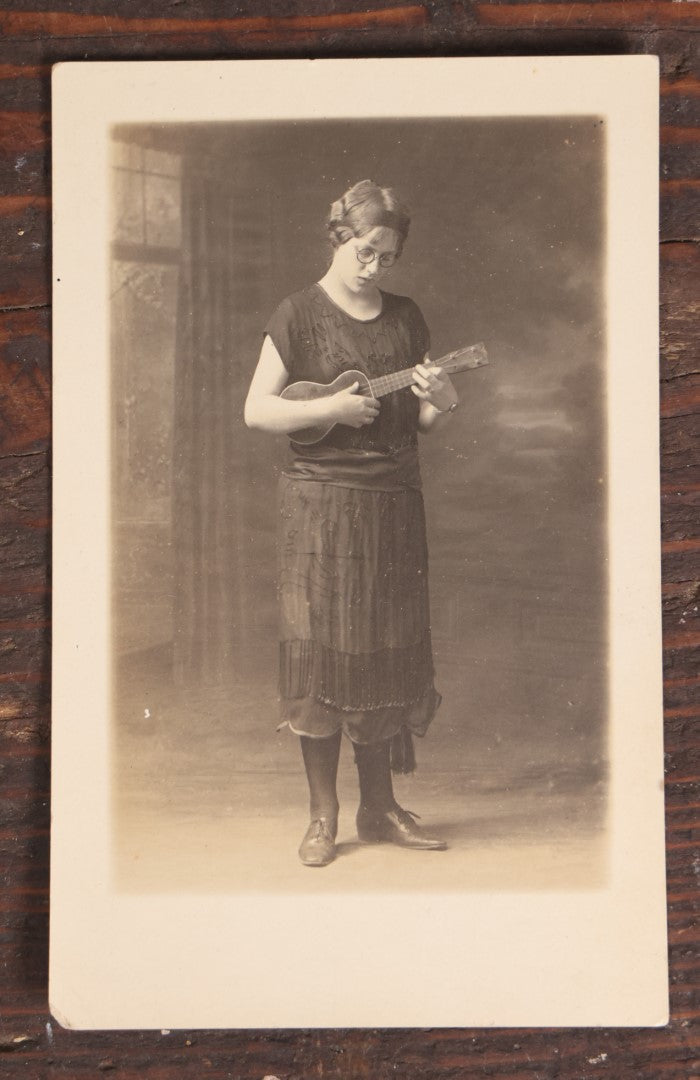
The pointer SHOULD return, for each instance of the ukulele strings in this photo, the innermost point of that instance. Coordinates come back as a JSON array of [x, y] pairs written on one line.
[[397, 380]]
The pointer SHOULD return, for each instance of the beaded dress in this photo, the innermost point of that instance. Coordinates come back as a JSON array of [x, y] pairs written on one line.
[[355, 650]]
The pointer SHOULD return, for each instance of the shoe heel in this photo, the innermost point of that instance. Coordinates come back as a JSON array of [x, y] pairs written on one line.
[[367, 831]]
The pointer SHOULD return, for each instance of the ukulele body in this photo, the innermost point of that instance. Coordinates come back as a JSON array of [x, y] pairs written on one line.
[[464, 359], [311, 391]]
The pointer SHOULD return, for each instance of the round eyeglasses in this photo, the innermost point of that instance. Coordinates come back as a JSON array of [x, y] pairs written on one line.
[[367, 255]]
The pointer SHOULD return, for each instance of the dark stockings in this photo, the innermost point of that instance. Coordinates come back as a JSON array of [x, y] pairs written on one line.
[[374, 769], [321, 762]]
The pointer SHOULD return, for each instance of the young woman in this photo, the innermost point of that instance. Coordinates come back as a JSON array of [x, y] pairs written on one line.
[[355, 652]]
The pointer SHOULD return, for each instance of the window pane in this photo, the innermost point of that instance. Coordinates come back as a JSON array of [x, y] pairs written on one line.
[[127, 155], [162, 211], [160, 161], [143, 350], [128, 221]]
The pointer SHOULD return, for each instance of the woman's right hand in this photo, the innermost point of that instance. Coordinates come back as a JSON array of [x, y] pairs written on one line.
[[355, 410]]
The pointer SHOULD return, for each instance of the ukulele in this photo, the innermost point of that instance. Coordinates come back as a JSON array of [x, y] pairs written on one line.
[[466, 359]]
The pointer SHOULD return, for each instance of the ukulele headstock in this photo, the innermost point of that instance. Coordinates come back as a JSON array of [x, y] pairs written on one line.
[[466, 359]]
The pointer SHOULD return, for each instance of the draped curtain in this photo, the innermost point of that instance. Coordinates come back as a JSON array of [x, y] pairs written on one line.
[[223, 228]]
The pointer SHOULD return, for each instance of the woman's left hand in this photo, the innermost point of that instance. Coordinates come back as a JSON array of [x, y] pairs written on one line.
[[433, 385]]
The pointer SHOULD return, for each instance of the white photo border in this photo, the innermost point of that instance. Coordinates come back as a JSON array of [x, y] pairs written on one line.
[[475, 959]]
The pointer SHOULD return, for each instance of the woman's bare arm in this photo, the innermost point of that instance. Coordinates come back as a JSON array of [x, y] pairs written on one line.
[[266, 410]]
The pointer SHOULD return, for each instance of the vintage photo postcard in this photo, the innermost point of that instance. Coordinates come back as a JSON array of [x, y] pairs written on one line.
[[357, 698]]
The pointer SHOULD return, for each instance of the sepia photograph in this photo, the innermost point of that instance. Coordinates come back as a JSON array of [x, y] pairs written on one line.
[[272, 560], [368, 520]]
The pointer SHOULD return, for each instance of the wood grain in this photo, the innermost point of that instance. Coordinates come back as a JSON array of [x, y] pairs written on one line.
[[32, 37]]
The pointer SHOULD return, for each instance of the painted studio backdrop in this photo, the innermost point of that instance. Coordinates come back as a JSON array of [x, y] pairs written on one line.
[[212, 226]]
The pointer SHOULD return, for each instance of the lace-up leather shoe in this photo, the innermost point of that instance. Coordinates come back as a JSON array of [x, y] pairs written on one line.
[[395, 826], [318, 846]]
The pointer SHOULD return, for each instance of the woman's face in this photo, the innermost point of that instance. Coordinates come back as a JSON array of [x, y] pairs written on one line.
[[359, 261]]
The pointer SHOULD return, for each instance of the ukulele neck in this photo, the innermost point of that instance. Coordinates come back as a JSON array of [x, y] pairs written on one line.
[[460, 360], [386, 384]]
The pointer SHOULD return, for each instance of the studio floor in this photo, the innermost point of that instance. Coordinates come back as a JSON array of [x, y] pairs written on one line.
[[208, 796]]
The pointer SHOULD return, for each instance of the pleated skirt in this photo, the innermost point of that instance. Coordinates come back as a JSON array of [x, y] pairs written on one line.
[[355, 649]]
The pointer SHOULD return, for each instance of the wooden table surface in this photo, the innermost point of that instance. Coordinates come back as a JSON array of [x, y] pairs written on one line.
[[35, 36]]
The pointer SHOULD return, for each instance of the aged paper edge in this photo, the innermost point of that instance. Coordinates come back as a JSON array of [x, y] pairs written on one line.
[[189, 960]]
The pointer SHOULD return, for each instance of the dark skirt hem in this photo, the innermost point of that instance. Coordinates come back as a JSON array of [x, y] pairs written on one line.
[[384, 679]]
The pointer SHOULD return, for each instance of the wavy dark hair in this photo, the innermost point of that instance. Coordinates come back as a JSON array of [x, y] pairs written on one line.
[[366, 206]]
